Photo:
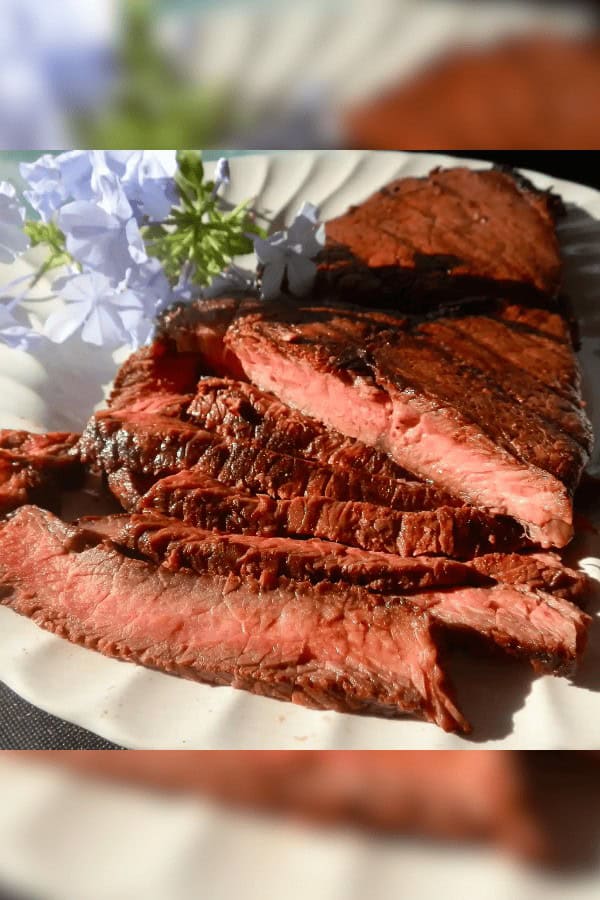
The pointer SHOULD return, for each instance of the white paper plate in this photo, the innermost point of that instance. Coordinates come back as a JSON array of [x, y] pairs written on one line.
[[508, 706], [64, 837]]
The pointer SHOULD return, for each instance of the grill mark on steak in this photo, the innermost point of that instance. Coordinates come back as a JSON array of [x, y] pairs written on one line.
[[199, 500], [416, 364], [555, 413], [546, 629], [453, 425], [240, 411], [176, 546], [151, 445], [329, 647], [543, 358], [35, 467], [456, 233]]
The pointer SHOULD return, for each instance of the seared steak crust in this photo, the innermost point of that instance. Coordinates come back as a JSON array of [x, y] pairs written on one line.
[[440, 240], [148, 444], [199, 500]]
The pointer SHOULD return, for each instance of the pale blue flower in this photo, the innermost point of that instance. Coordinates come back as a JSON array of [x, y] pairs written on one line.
[[222, 174], [47, 191], [141, 329], [148, 183], [55, 59], [82, 171], [151, 284], [14, 333], [13, 239], [94, 304], [289, 254], [152, 288], [103, 236]]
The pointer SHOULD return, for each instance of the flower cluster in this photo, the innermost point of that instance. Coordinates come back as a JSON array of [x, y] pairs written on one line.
[[129, 232]]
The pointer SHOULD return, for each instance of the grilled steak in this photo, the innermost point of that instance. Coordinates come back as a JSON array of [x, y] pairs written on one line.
[[33, 467], [530, 91], [146, 443], [453, 235], [327, 646], [445, 418], [177, 546], [445, 793], [202, 502], [535, 571], [199, 328], [159, 369], [550, 631], [199, 500], [237, 410]]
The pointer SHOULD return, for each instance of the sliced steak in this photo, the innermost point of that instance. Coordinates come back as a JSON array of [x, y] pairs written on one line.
[[199, 328], [449, 794], [199, 500], [128, 487], [330, 646], [237, 410], [149, 444], [530, 89], [33, 467], [159, 369], [178, 546], [454, 234], [535, 571], [438, 416], [549, 631]]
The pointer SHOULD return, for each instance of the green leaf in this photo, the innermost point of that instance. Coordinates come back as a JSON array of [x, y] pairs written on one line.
[[50, 234], [198, 230]]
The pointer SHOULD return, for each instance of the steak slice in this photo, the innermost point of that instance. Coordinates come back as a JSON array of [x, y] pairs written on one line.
[[434, 414], [237, 410], [536, 571], [529, 90], [204, 503], [549, 631], [155, 370], [329, 646], [199, 328], [146, 443], [33, 467], [200, 500], [129, 488], [178, 546], [455, 234], [449, 794]]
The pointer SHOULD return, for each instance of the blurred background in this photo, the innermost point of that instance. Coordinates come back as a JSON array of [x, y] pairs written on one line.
[[396, 74], [329, 825]]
